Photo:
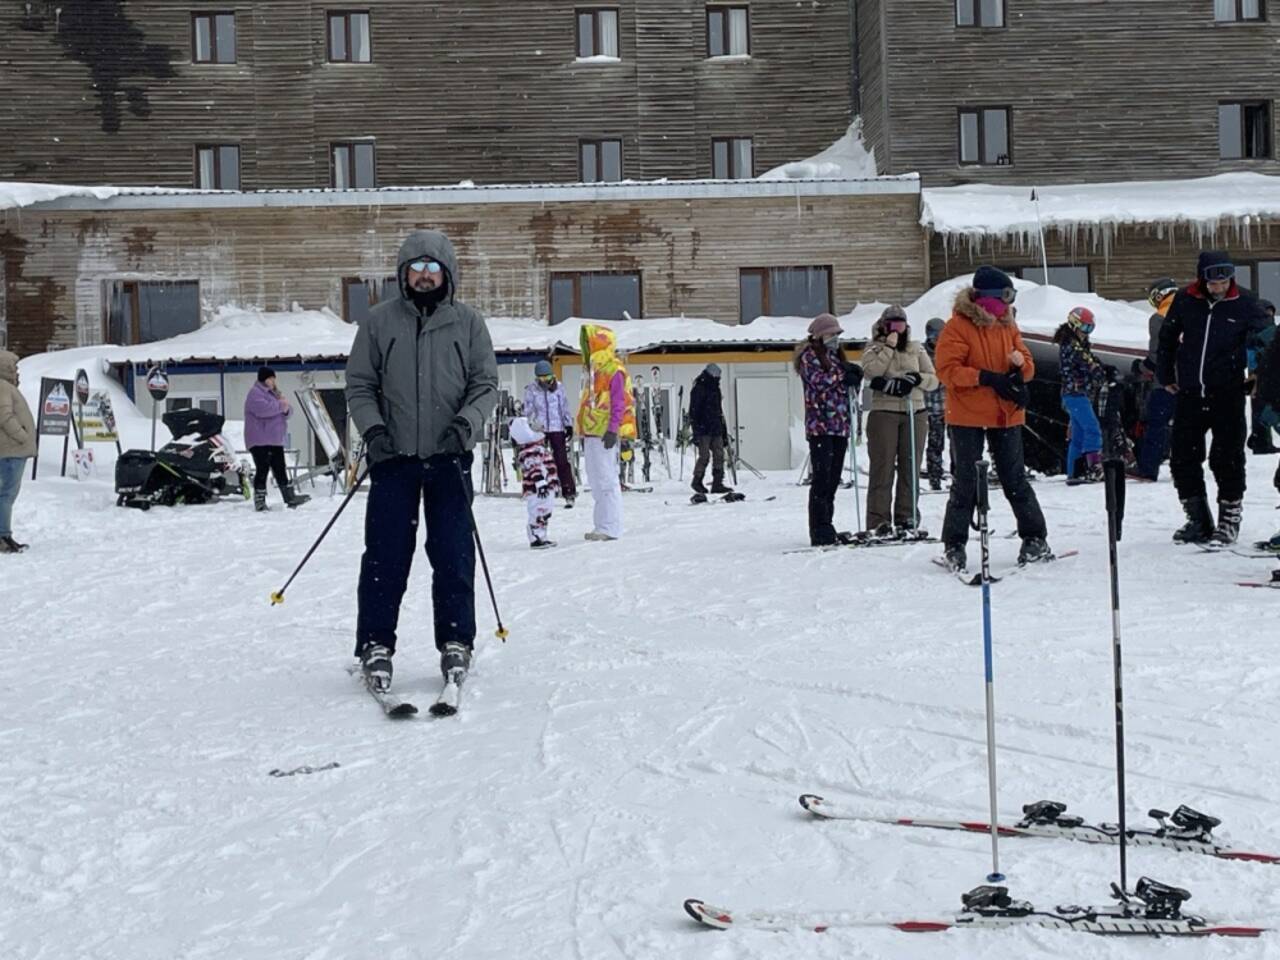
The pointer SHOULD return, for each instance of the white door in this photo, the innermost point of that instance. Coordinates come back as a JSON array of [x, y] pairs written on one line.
[[763, 421]]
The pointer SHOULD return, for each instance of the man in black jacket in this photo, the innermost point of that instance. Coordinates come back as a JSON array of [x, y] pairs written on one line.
[[1201, 362], [1268, 400], [710, 433]]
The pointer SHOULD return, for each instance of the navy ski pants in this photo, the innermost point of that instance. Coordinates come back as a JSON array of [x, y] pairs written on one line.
[[397, 490]]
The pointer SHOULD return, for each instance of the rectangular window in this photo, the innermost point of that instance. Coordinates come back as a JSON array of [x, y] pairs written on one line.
[[597, 295], [360, 295], [1244, 130], [984, 136], [728, 31], [979, 13], [1231, 11], [207, 403], [599, 161], [217, 167], [145, 311], [1260, 276], [732, 158], [783, 292], [1073, 278], [597, 33], [353, 165], [213, 38], [349, 37]]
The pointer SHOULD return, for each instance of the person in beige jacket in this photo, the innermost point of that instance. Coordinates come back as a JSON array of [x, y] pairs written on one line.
[[17, 443], [900, 373]]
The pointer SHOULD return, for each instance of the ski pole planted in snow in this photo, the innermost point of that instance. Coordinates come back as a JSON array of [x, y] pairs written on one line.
[[984, 534], [501, 632], [915, 470], [278, 596], [855, 407], [1114, 472]]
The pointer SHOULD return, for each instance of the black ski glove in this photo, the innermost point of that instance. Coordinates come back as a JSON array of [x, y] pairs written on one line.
[[897, 387], [610, 439], [1008, 386], [914, 377], [568, 433], [853, 376], [877, 383], [454, 441], [378, 446]]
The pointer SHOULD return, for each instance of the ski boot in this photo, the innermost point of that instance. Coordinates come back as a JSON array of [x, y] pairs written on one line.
[[698, 486], [1230, 513], [1034, 550], [260, 501], [846, 538], [455, 658], [1199, 525], [542, 544], [955, 559], [1092, 472], [698, 498], [293, 500], [10, 545], [1261, 444], [1269, 546], [935, 483], [375, 664], [882, 531], [568, 503], [717, 486]]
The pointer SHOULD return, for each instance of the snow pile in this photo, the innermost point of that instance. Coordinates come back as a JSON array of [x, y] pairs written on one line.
[[16, 193], [1090, 214], [846, 159]]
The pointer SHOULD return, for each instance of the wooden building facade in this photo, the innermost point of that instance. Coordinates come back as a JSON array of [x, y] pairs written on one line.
[[1046, 91], [300, 94], [141, 266]]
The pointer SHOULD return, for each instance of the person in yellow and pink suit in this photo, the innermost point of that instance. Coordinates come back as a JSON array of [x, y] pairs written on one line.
[[606, 413]]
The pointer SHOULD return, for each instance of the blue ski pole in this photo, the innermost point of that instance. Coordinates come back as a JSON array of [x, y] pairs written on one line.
[[984, 535]]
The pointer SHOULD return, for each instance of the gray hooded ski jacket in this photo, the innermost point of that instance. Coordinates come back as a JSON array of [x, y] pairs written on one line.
[[416, 373]]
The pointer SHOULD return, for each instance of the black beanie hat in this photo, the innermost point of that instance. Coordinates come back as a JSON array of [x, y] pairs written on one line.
[[265, 373], [989, 278]]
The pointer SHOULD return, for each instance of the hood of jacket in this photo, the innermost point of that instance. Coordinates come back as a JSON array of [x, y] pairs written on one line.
[[880, 330], [8, 367], [428, 245], [599, 344], [1200, 291], [967, 307]]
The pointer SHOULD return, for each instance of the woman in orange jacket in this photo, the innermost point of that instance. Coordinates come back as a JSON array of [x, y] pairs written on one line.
[[985, 366]]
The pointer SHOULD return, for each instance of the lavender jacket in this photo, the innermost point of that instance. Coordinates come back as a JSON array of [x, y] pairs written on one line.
[[549, 409], [264, 418]]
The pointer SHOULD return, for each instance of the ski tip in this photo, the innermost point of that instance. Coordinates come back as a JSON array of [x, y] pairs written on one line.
[[812, 802], [443, 710], [402, 710], [711, 916]]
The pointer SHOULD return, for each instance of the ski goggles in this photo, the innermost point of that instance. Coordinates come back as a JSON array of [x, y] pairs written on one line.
[[1219, 272], [895, 325], [547, 378], [1007, 294], [425, 266]]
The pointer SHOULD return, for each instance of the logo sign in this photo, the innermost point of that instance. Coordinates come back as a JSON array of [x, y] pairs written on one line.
[[82, 387], [157, 384], [98, 424], [55, 407]]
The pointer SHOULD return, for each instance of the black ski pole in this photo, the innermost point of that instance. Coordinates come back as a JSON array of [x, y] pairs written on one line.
[[1114, 472], [501, 632], [278, 595], [983, 505]]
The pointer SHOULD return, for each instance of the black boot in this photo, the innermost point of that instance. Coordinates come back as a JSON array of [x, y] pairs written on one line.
[[260, 501], [1199, 525], [1230, 513], [375, 664], [717, 486], [10, 545], [455, 659], [698, 486], [292, 499]]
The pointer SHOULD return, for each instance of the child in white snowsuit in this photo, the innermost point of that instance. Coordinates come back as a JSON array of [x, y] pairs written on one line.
[[539, 479]]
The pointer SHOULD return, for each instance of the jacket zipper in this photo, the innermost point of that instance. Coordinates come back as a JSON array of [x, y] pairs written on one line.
[[1204, 346]]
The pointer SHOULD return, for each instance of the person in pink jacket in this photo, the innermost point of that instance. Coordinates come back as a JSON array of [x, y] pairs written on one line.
[[266, 412]]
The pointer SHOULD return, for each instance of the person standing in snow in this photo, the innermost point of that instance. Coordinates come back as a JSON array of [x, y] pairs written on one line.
[[546, 405], [1209, 327], [1260, 442], [900, 373], [17, 444], [935, 405], [985, 367], [266, 415], [1269, 400], [827, 376], [422, 380], [1158, 411], [710, 432], [1082, 375], [539, 481], [606, 413]]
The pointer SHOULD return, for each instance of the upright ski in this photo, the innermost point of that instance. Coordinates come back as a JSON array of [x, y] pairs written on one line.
[[1187, 830]]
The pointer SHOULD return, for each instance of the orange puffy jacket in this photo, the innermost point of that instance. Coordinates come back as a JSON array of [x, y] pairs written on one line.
[[973, 341]]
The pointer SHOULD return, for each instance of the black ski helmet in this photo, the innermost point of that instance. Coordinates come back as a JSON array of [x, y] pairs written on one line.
[[1160, 289]]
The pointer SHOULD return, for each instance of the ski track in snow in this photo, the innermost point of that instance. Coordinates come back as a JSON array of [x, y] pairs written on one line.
[[640, 739]]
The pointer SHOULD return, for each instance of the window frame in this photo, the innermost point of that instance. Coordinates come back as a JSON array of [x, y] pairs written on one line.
[[1239, 16], [1020, 272], [980, 111], [372, 285], [598, 142], [351, 163], [976, 7], [1244, 139], [346, 15], [132, 288], [764, 272], [729, 142], [212, 17], [576, 276], [217, 149], [1252, 265], [725, 8], [595, 31]]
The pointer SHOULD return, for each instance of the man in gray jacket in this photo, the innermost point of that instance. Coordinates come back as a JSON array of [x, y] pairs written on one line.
[[421, 381]]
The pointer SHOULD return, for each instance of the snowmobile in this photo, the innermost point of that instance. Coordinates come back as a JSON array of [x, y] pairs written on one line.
[[197, 466]]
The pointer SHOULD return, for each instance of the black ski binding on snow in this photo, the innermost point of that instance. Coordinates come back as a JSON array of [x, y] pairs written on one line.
[[1048, 812], [1187, 824], [1158, 901], [991, 901]]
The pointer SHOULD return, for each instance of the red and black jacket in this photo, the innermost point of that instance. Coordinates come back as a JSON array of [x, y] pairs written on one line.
[[1203, 341]]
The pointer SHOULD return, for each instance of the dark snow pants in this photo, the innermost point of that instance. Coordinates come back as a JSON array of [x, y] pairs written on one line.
[[269, 460], [826, 464], [1155, 432], [1005, 444], [564, 469], [710, 449], [399, 488], [1195, 415]]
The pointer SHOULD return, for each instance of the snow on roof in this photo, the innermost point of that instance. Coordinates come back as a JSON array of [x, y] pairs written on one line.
[[847, 158], [1206, 205], [15, 193]]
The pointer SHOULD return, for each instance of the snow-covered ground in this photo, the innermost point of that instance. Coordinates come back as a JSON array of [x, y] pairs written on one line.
[[640, 739]]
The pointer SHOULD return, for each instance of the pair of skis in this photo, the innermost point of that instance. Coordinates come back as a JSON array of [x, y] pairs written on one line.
[[861, 540], [975, 579], [446, 705]]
